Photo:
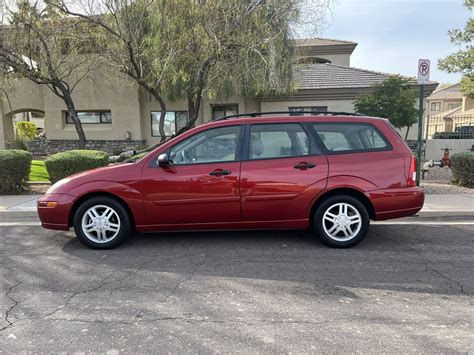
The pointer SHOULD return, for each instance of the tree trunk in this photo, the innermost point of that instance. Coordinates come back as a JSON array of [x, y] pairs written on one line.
[[406, 134], [161, 126], [194, 101], [77, 123]]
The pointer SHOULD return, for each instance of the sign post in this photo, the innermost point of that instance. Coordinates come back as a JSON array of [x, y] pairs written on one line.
[[423, 78]]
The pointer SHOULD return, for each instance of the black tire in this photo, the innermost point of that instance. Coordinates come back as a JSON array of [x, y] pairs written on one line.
[[125, 225], [328, 204]]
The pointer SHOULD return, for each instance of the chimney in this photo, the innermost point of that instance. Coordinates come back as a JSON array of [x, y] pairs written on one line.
[[467, 103]]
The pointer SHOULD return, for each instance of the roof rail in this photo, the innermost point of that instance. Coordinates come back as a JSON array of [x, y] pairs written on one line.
[[295, 113]]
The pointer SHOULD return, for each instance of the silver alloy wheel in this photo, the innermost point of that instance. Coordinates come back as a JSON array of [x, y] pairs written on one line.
[[342, 222], [100, 224]]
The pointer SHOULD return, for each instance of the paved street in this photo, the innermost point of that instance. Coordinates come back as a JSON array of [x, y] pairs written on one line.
[[405, 288]]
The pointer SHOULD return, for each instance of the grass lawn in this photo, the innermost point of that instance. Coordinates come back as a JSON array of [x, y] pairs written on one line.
[[38, 171]]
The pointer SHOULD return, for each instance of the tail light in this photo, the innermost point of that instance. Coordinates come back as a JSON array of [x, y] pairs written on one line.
[[412, 173]]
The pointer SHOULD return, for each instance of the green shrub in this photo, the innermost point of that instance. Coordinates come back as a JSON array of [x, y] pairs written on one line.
[[463, 168], [61, 165], [26, 129], [137, 157], [19, 142], [14, 170]]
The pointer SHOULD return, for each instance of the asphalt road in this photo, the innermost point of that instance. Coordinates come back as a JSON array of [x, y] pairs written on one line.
[[404, 288]]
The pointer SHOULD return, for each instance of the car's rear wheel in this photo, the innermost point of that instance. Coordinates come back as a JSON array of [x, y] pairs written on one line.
[[102, 223], [341, 221]]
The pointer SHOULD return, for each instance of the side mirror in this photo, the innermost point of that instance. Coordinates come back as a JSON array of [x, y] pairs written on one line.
[[163, 160]]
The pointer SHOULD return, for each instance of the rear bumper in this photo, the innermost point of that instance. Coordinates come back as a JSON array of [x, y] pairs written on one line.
[[396, 203], [55, 217]]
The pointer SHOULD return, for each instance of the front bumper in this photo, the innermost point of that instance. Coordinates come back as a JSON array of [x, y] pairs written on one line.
[[54, 210], [397, 202]]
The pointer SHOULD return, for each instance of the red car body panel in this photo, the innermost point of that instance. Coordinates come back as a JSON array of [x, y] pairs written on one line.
[[257, 194], [273, 189], [168, 192]]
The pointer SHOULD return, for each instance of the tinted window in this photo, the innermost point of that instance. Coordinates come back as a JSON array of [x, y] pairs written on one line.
[[340, 137], [219, 111], [213, 145], [88, 117], [277, 140], [174, 121]]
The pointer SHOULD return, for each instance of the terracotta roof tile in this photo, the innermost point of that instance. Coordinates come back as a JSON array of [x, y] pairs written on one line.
[[326, 76]]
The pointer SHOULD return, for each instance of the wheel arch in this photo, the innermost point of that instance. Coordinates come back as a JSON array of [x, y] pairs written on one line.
[[90, 195], [346, 191]]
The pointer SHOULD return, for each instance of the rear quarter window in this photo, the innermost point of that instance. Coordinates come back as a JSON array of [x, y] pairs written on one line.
[[350, 137]]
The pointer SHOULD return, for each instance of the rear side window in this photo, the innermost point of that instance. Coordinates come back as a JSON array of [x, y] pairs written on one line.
[[278, 141], [350, 137]]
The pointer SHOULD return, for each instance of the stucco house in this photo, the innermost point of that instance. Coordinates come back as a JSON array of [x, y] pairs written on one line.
[[117, 115], [448, 110]]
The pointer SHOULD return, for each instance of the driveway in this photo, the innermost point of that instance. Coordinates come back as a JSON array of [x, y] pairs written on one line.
[[404, 288]]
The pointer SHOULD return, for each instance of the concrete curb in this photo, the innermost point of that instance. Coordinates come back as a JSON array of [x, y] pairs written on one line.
[[19, 216]]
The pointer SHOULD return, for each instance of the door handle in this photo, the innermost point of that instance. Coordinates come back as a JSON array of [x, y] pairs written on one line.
[[219, 172], [304, 165]]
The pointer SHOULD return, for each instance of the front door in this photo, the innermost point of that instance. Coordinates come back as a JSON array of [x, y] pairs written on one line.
[[281, 174], [202, 183]]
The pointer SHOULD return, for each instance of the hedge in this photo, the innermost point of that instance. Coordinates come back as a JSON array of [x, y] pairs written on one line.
[[64, 164], [463, 168], [14, 170]]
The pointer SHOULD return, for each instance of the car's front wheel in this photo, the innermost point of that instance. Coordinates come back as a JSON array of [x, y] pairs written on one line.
[[102, 223], [341, 221]]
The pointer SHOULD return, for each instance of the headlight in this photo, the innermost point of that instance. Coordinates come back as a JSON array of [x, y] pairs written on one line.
[[57, 185]]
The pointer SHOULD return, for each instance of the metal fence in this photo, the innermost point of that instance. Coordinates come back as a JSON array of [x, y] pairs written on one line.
[[450, 127]]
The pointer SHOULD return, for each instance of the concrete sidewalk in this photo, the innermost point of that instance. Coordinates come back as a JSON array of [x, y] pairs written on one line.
[[23, 207]]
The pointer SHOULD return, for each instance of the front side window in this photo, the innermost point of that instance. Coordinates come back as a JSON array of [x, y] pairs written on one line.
[[213, 145], [90, 117], [219, 111], [278, 141], [436, 106], [174, 121], [347, 137], [453, 106]]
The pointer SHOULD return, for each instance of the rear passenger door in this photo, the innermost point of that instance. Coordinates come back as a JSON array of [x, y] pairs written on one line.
[[282, 171]]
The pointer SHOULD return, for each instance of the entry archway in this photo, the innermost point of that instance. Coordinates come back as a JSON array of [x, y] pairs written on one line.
[[7, 123]]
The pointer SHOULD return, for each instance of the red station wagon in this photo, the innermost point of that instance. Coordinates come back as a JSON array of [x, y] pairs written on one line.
[[330, 173]]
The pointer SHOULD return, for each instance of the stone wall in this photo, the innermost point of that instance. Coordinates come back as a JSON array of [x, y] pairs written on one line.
[[49, 146]]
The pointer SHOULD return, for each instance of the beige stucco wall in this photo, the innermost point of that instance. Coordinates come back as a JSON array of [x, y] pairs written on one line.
[[467, 104], [333, 105], [6, 128], [149, 104], [339, 59], [23, 95], [97, 93]]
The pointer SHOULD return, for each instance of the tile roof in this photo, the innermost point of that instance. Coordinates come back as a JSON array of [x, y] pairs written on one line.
[[328, 76], [302, 42], [452, 92], [325, 76]]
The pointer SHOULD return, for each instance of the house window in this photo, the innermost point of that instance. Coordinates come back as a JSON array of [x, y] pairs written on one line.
[[219, 111], [91, 117], [299, 111], [436, 106], [453, 106], [174, 121]]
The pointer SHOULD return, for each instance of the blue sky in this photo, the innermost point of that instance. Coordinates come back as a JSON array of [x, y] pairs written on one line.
[[394, 34]]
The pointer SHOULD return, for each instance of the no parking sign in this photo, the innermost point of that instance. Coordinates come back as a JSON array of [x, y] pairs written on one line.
[[423, 71]]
